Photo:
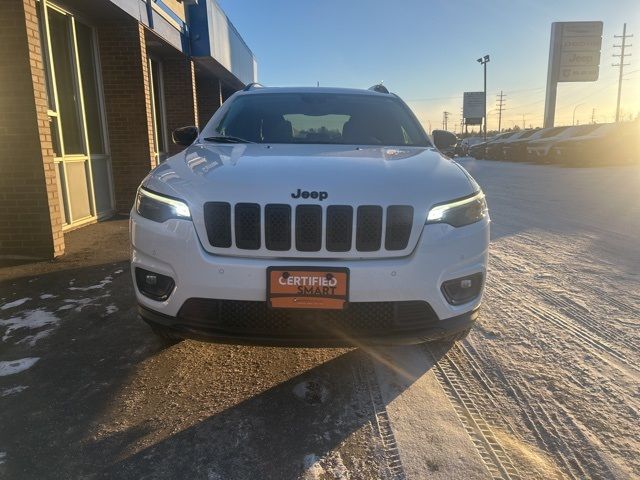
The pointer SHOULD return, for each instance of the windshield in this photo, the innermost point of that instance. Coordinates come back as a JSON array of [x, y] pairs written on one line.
[[527, 134], [324, 118], [585, 129]]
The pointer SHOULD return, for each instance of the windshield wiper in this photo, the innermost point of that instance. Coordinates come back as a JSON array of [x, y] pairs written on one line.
[[227, 139]]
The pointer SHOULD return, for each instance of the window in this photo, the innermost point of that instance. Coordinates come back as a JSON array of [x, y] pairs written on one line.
[[68, 102], [323, 118], [87, 63]]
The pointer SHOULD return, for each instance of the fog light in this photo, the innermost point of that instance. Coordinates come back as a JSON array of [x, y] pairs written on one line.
[[462, 290], [154, 285]]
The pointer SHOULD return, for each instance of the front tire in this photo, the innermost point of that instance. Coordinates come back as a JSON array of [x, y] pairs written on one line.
[[455, 337], [165, 335]]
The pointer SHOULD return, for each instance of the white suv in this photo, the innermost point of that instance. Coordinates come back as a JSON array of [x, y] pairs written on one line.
[[309, 216]]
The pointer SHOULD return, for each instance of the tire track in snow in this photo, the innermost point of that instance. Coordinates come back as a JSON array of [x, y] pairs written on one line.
[[506, 262], [582, 315], [553, 433], [454, 382], [596, 346], [364, 375]]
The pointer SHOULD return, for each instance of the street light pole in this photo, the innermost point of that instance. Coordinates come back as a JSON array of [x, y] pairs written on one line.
[[483, 61]]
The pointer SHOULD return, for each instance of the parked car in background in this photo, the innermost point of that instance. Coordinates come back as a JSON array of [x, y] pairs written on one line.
[[609, 144], [516, 150], [479, 150], [522, 137], [494, 148], [467, 143], [538, 150], [446, 140]]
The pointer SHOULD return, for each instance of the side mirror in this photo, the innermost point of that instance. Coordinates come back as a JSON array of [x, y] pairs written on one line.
[[185, 136], [443, 139]]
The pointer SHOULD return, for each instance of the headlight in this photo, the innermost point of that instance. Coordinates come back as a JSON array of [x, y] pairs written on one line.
[[160, 208], [460, 212]]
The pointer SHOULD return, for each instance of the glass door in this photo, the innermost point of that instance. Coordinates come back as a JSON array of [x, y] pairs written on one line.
[[76, 117]]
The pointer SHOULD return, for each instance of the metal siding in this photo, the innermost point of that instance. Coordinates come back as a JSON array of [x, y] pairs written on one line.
[[213, 35]]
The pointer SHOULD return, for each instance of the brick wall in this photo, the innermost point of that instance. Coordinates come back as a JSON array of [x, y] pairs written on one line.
[[30, 221], [179, 96], [125, 76], [209, 95]]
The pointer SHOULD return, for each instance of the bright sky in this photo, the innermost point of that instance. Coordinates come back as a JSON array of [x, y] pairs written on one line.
[[426, 51]]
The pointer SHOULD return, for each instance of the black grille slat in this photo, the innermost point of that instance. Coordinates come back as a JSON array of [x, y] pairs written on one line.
[[218, 223], [339, 228], [398, 230], [308, 228], [277, 225], [247, 226], [369, 228]]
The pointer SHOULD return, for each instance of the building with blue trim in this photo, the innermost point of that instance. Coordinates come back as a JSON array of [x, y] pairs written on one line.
[[89, 94]]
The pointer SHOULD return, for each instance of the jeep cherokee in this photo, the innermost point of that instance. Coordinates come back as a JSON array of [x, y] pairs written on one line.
[[309, 216]]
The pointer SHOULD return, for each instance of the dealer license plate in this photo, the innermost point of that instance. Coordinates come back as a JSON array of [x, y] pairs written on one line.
[[308, 288]]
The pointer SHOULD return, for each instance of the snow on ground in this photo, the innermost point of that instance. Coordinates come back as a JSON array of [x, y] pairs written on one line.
[[111, 309], [16, 366], [98, 286], [329, 466], [80, 304], [15, 303], [5, 392], [557, 348], [29, 320]]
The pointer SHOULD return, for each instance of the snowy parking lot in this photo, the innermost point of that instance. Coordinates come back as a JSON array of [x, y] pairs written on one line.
[[546, 385]]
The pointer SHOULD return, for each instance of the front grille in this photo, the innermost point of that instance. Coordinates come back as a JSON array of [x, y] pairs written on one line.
[[309, 230], [256, 318]]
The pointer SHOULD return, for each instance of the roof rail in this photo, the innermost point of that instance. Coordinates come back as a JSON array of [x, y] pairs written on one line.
[[252, 85], [379, 88]]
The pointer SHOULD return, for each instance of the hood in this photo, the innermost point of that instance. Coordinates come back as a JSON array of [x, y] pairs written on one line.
[[271, 173], [280, 173]]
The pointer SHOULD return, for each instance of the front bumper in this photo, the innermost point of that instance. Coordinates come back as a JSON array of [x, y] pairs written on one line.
[[443, 253], [300, 329]]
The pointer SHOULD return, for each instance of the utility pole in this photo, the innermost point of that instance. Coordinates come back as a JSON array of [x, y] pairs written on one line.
[[500, 105], [445, 119], [523, 123], [483, 61], [461, 121], [622, 47], [593, 115]]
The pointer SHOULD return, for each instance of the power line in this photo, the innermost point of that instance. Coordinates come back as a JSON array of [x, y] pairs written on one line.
[[622, 47], [500, 105]]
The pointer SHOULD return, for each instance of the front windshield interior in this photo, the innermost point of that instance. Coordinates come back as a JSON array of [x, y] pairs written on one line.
[[321, 118]]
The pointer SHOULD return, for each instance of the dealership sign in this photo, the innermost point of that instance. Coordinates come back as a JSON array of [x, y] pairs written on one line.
[[574, 56], [473, 108]]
